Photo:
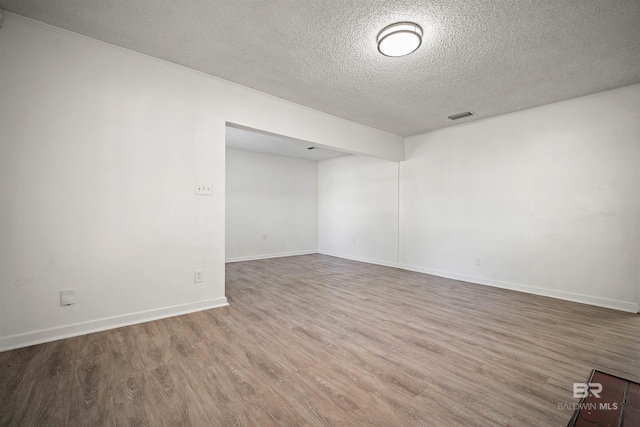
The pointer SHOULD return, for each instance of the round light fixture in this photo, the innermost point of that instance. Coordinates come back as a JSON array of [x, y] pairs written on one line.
[[399, 39]]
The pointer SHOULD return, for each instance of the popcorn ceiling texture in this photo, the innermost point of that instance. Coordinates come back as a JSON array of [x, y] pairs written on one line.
[[489, 56]]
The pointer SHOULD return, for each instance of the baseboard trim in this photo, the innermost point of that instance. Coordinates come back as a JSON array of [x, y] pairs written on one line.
[[53, 334], [630, 307], [268, 256], [360, 259]]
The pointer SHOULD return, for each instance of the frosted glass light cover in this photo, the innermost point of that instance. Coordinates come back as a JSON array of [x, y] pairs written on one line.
[[399, 39]]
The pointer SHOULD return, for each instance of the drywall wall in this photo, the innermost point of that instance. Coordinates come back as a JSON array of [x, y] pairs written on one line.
[[100, 153], [546, 199], [238, 104], [358, 209], [271, 205]]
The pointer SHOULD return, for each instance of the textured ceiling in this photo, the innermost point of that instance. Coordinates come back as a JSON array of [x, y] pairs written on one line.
[[246, 139], [489, 56]]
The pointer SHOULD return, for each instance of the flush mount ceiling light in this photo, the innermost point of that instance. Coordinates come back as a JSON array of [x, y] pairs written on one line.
[[399, 39]]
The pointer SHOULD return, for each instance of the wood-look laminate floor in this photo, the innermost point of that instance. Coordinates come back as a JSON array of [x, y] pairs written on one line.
[[319, 341]]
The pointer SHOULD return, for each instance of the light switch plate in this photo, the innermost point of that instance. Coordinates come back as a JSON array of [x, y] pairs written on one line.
[[204, 189]]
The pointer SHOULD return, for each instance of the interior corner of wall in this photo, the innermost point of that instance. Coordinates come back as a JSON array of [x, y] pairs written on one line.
[[626, 99]]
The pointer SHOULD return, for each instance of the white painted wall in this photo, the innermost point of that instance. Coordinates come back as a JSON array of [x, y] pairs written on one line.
[[547, 198], [236, 104], [99, 154], [358, 209], [272, 205], [101, 147], [100, 150]]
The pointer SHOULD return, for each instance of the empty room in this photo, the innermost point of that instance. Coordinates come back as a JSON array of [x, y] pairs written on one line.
[[320, 213]]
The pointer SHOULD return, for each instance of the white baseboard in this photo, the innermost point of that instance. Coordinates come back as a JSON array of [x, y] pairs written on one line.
[[11, 342], [268, 256], [361, 259], [630, 307]]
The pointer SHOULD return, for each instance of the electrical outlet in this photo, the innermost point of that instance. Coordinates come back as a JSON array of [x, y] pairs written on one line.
[[204, 189], [67, 297], [198, 276], [477, 261]]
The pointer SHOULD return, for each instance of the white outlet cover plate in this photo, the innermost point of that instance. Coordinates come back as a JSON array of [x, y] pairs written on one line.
[[198, 276], [67, 297]]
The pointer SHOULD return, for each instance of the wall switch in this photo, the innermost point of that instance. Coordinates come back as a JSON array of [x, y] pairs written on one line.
[[204, 189], [198, 276], [477, 261], [67, 297]]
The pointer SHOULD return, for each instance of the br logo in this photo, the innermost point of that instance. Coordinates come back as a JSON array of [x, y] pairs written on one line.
[[581, 390]]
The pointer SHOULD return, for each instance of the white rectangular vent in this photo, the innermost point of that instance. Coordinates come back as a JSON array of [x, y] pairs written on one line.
[[461, 115]]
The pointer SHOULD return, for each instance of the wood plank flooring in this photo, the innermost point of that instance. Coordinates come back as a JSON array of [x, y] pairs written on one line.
[[319, 341]]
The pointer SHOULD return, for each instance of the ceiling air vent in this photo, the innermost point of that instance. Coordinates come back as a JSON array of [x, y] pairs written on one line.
[[461, 115]]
